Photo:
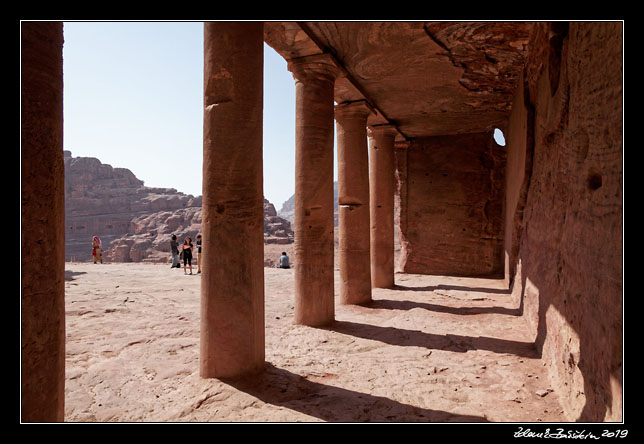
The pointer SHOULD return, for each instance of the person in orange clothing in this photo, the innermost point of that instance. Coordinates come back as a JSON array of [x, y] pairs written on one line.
[[97, 250]]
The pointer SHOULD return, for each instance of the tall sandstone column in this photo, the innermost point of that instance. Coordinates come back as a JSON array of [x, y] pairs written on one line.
[[353, 202], [382, 184], [232, 289], [314, 82], [43, 223]]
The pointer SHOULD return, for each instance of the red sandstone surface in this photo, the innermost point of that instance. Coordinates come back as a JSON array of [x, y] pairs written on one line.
[[433, 349]]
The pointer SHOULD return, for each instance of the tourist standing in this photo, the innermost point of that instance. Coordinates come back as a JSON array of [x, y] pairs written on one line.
[[97, 250], [187, 254], [175, 252], [198, 253]]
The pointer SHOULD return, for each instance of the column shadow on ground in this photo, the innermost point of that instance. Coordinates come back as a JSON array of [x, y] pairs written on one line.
[[455, 288], [388, 304], [448, 342], [69, 275], [283, 388]]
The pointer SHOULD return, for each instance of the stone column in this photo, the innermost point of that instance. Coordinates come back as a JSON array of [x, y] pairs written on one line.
[[314, 82], [353, 202], [232, 282], [382, 183], [43, 223]]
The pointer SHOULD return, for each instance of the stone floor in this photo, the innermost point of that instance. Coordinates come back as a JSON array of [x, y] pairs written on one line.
[[433, 349]]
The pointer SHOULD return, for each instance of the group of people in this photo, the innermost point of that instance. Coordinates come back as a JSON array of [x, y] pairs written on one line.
[[185, 253]]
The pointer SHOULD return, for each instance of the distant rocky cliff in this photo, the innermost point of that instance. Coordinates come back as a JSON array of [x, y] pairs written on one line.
[[135, 222]]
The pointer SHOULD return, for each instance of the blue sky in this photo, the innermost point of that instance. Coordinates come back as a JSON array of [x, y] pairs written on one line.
[[133, 95]]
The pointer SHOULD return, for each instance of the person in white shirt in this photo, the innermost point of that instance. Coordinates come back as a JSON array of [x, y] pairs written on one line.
[[284, 261]]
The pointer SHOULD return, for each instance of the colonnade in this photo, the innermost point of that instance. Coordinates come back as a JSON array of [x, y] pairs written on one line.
[[232, 324], [232, 293]]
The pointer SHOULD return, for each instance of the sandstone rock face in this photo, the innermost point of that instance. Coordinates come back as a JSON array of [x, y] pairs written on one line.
[[463, 73], [288, 209], [453, 206], [491, 55], [102, 200], [149, 236], [135, 222], [277, 230], [569, 268]]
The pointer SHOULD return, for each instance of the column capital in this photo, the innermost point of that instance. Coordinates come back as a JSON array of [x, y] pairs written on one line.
[[383, 130], [359, 109], [402, 145], [314, 67]]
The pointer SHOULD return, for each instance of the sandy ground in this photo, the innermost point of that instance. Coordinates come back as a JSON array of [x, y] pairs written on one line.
[[434, 349]]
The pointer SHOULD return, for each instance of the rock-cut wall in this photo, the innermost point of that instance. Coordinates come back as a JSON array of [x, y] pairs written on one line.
[[564, 211], [451, 207]]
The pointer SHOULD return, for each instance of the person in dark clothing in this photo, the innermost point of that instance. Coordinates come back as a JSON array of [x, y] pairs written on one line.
[[175, 252], [284, 263], [187, 254], [198, 253]]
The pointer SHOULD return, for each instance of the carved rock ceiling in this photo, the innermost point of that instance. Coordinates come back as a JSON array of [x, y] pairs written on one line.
[[427, 78]]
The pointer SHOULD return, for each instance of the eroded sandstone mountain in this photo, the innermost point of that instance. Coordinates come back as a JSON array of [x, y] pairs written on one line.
[[135, 222], [102, 200]]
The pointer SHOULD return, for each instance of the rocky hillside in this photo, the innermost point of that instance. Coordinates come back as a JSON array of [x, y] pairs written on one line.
[[102, 200], [148, 239], [134, 222]]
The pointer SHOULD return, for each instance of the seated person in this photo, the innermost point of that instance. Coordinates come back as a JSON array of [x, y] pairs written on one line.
[[284, 261]]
